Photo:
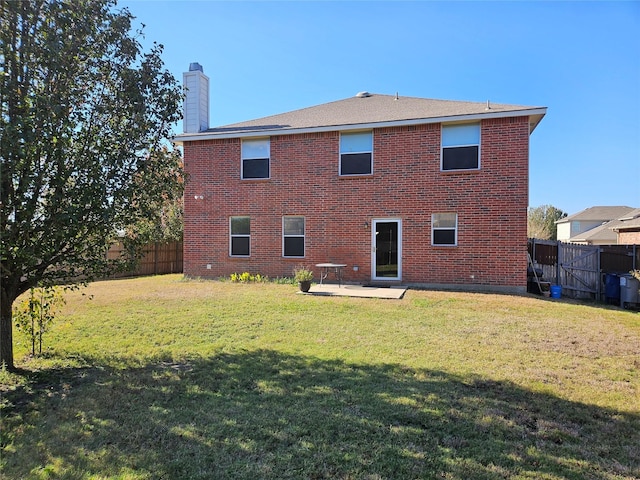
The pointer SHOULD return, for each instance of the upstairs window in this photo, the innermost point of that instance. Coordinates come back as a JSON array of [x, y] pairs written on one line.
[[461, 147], [356, 153], [240, 236], [444, 229], [293, 236], [255, 158]]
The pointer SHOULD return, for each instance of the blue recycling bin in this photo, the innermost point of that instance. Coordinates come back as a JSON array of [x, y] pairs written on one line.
[[612, 288]]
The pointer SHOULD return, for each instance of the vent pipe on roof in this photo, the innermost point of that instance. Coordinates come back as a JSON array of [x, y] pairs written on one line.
[[488, 107]]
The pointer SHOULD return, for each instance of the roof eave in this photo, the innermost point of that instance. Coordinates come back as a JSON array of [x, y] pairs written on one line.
[[624, 227], [535, 116]]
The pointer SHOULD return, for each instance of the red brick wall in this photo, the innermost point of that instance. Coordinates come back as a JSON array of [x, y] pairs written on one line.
[[629, 237], [407, 184]]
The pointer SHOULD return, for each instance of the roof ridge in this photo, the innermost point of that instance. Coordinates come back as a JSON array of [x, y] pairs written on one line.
[[374, 110]]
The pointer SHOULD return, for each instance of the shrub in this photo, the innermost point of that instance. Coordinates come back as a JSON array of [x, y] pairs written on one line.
[[246, 277], [35, 313], [302, 274]]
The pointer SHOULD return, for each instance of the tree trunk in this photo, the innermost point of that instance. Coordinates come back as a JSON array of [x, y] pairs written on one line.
[[6, 330]]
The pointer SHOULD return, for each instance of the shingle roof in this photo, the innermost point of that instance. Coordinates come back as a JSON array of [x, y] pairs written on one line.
[[370, 110], [606, 231], [628, 220], [593, 214]]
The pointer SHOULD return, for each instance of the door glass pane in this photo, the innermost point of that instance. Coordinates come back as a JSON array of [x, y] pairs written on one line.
[[387, 249]]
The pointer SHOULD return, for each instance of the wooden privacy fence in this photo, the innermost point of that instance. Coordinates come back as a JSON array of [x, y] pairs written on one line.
[[581, 269], [157, 259]]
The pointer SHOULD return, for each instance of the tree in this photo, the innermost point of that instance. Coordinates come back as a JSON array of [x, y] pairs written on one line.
[[36, 313], [163, 223], [541, 222], [84, 118]]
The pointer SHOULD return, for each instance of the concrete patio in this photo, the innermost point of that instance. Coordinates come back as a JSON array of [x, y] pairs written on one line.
[[330, 289]]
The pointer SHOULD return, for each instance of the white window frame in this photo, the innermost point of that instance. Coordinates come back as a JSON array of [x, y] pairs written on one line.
[[448, 228], [296, 235], [463, 142], [249, 155], [357, 151], [238, 235]]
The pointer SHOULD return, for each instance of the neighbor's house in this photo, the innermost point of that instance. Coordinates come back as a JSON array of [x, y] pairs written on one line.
[[591, 226], [627, 228], [412, 190]]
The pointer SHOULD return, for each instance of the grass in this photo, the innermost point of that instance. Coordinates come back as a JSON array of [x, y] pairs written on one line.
[[165, 378]]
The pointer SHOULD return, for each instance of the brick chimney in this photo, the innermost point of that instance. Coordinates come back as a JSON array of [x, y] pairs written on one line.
[[196, 101]]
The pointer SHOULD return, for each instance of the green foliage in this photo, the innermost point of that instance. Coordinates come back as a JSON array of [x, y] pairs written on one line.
[[162, 222], [35, 314], [541, 222], [85, 115], [283, 281], [246, 277], [302, 274]]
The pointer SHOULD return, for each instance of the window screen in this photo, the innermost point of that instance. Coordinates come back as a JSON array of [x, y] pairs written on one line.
[[459, 158]]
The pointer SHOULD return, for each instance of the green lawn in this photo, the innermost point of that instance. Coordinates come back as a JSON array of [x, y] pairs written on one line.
[[162, 378]]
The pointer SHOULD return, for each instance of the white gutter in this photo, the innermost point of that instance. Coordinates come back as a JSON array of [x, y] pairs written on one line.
[[257, 131]]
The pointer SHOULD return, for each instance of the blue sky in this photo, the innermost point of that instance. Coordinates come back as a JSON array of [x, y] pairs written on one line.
[[579, 59]]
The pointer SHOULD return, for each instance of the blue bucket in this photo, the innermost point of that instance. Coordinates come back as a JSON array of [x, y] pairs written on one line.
[[556, 291]]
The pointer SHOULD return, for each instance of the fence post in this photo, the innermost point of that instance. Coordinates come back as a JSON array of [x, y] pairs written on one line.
[[558, 261], [533, 252], [599, 278], [155, 258]]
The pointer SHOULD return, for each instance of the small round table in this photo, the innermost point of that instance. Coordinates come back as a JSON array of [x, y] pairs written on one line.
[[337, 270]]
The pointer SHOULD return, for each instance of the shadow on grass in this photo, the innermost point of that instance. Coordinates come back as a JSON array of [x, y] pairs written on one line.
[[272, 416]]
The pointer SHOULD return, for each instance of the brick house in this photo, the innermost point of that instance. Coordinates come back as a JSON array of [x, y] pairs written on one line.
[[403, 190], [627, 228]]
